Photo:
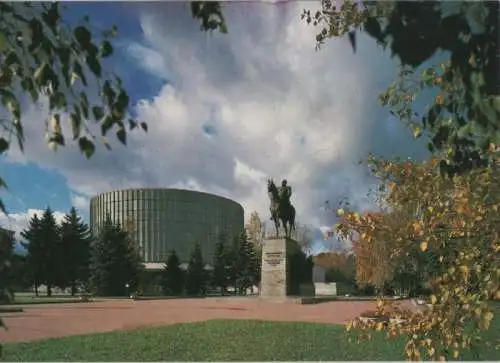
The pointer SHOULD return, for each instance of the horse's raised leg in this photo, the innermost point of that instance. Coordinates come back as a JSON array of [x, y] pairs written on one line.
[[285, 227]]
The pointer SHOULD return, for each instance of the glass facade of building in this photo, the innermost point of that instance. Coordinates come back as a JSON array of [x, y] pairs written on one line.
[[164, 219]]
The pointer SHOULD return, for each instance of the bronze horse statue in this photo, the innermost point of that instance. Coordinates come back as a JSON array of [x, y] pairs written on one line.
[[281, 209]]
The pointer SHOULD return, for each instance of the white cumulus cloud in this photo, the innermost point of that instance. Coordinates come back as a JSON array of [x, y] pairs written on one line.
[[19, 221], [236, 109]]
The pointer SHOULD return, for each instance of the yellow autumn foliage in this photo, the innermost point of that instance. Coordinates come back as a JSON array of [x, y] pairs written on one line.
[[455, 218]]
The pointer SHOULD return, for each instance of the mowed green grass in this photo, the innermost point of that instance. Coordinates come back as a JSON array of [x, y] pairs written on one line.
[[220, 340]]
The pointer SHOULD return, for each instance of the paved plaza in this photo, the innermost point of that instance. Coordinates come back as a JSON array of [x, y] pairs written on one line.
[[38, 322]]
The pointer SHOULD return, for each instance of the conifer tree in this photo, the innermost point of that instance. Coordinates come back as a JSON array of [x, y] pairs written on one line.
[[42, 242], [75, 250], [247, 264], [51, 250], [172, 281], [33, 245], [220, 275], [116, 265], [195, 277]]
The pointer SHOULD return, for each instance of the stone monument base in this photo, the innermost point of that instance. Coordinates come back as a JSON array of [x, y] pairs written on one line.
[[275, 275]]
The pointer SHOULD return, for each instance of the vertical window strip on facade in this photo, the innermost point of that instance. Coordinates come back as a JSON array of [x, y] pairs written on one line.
[[162, 220]]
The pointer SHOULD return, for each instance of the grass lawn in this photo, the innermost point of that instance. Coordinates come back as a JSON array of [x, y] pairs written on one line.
[[218, 340]]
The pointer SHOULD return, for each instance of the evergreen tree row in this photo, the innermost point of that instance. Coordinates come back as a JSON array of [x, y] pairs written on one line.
[[67, 256], [236, 265]]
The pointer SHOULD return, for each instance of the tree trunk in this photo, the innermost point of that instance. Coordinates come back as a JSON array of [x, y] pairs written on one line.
[[49, 290], [73, 288], [36, 289]]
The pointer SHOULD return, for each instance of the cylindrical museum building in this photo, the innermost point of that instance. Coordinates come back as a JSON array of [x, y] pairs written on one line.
[[164, 219]]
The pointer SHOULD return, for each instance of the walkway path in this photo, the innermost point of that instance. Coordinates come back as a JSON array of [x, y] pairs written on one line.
[[104, 316]]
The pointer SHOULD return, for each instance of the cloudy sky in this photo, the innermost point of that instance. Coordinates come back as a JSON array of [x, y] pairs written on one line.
[[225, 112]]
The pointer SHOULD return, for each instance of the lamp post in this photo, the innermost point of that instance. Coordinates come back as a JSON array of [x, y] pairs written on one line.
[[127, 289]]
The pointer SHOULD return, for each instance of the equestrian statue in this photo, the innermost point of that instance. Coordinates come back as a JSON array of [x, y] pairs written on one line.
[[281, 207]]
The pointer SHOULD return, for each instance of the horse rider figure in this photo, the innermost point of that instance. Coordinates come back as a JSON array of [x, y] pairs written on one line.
[[285, 194]]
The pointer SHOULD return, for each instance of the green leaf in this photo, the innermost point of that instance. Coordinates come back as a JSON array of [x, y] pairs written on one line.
[[98, 113], [106, 49], [132, 123], [57, 100], [37, 34], [108, 92], [2, 209], [121, 134], [51, 17], [58, 139], [11, 59], [27, 86], [122, 101], [86, 146], [40, 73], [4, 145], [94, 65], [109, 33], [84, 103], [77, 68], [10, 101], [106, 124], [3, 184], [82, 36], [64, 57], [18, 127], [76, 124]]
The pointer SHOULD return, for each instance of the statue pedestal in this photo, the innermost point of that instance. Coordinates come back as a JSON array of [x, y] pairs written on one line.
[[275, 277]]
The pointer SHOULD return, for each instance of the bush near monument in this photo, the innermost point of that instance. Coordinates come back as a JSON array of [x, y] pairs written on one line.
[[301, 271]]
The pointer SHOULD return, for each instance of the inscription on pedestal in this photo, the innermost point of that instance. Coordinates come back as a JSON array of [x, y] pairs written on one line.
[[274, 259]]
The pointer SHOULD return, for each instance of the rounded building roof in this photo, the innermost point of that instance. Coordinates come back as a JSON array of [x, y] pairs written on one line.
[[173, 190]]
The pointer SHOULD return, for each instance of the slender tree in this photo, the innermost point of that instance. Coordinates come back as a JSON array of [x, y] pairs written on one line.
[[75, 250], [172, 279], [51, 250], [116, 266], [195, 277], [247, 264], [231, 265], [220, 275], [255, 230]]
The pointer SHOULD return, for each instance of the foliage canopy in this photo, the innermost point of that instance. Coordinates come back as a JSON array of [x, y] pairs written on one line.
[[457, 219], [462, 120]]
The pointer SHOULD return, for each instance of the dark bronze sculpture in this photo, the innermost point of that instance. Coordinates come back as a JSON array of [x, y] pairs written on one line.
[[281, 207]]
